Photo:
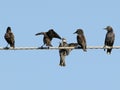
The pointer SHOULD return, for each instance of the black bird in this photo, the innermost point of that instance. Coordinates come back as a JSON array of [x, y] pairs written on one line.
[[48, 36], [9, 37], [65, 52], [109, 39], [81, 39]]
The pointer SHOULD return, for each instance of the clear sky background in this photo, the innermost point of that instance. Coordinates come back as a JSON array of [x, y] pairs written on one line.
[[39, 69]]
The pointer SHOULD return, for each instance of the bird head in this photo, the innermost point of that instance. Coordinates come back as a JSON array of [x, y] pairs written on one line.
[[78, 31], [108, 28], [64, 40], [8, 29], [51, 30]]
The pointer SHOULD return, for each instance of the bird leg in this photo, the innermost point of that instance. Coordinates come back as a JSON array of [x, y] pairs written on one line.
[[104, 47]]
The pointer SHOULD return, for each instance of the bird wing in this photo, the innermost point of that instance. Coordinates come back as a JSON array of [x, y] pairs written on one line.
[[52, 34], [12, 44], [82, 42], [109, 40], [79, 39], [73, 44], [9, 37], [62, 54], [12, 37]]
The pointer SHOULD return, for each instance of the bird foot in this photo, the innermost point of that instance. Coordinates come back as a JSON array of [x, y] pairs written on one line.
[[43, 47], [62, 64], [11, 47], [104, 47], [108, 53], [6, 48], [85, 50]]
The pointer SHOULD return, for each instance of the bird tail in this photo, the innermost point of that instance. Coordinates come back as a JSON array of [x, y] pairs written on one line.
[[62, 63], [109, 51], [62, 59], [84, 49], [12, 45], [104, 47]]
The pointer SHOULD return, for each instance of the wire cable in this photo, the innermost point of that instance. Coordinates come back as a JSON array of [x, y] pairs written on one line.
[[56, 48]]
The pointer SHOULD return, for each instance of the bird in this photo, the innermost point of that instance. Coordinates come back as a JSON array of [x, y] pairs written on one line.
[[9, 37], [65, 52], [48, 36], [81, 40], [109, 39]]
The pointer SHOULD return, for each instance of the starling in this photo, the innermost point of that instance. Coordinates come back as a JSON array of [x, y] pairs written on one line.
[[48, 36], [9, 37], [109, 39], [81, 39], [65, 52]]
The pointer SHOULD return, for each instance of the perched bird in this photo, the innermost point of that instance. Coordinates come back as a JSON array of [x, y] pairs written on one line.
[[9, 37], [81, 39], [109, 39], [48, 36], [65, 52]]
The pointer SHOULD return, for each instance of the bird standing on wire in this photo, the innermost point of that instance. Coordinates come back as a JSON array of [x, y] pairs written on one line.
[[81, 39], [48, 36], [109, 39], [65, 52], [9, 37]]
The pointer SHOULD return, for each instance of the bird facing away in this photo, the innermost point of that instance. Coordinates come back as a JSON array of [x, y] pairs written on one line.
[[9, 37], [48, 36], [65, 52], [81, 40], [109, 39]]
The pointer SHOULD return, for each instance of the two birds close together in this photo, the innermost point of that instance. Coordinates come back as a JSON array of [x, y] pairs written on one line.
[[81, 41]]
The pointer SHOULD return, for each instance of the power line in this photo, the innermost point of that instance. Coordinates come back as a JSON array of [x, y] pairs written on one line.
[[56, 48]]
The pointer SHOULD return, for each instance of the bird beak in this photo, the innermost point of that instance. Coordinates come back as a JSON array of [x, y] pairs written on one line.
[[105, 28], [74, 32]]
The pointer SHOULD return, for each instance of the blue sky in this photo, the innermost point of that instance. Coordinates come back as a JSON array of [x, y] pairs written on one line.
[[39, 69]]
